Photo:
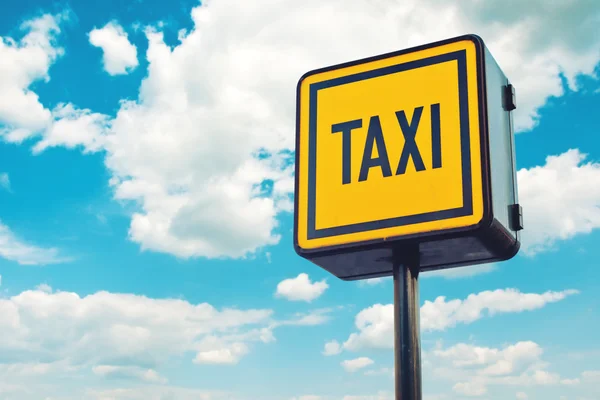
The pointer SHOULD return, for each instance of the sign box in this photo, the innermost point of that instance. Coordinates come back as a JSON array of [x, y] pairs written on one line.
[[410, 148]]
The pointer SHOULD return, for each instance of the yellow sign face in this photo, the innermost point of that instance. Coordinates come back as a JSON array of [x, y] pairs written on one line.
[[390, 147]]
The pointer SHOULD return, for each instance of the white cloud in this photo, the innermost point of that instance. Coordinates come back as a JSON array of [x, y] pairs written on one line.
[[129, 372], [494, 362], [591, 376], [332, 348], [44, 287], [8, 388], [522, 396], [230, 353], [128, 336], [14, 249], [441, 314], [376, 323], [171, 150], [107, 329], [32, 369], [574, 381], [73, 127], [27, 61], [379, 396], [472, 370], [356, 364], [155, 392], [301, 288], [470, 388], [24, 62], [5, 181], [560, 200], [119, 55]]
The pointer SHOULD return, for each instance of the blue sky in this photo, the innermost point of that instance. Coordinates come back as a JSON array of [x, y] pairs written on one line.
[[145, 208]]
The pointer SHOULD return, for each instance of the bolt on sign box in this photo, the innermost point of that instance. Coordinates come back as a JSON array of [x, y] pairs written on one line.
[[411, 148]]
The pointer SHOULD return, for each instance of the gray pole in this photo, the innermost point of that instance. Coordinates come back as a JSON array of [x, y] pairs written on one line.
[[407, 342]]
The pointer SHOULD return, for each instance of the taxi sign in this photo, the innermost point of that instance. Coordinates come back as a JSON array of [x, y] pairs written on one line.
[[405, 148]]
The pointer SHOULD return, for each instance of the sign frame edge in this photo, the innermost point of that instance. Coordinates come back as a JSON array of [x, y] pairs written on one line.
[[475, 229]]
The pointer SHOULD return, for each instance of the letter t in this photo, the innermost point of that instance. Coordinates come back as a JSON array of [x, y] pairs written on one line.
[[346, 128]]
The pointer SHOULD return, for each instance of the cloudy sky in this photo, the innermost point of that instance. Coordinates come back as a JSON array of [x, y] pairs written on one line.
[[146, 175]]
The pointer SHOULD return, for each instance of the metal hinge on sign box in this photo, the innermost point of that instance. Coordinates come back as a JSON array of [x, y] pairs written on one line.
[[510, 100], [516, 217]]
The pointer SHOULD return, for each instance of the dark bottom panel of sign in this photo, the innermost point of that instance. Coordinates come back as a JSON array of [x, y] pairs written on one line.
[[489, 244]]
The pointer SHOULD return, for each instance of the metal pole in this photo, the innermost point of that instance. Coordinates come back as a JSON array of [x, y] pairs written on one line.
[[407, 342]]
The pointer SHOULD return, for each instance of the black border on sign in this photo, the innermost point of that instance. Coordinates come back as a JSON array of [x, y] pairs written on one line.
[[487, 218], [460, 57]]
